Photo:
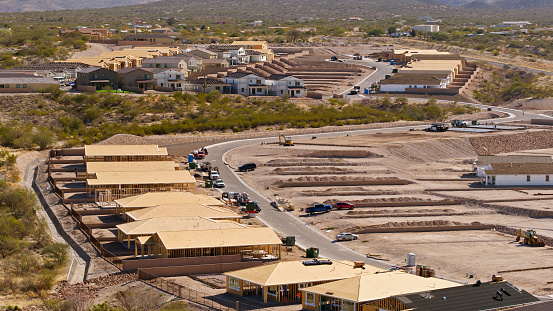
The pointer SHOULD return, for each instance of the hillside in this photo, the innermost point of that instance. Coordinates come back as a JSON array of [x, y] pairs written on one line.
[[49, 5]]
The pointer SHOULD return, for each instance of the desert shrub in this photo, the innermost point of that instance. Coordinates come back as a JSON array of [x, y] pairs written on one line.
[[56, 253]]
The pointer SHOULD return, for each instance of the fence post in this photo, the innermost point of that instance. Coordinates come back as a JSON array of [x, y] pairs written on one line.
[[237, 305]]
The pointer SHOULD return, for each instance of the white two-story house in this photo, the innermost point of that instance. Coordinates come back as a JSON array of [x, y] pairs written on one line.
[[171, 78], [282, 84], [246, 83]]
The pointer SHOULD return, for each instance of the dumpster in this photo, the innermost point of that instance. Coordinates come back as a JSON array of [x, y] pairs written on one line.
[[379, 59], [474, 122], [312, 252], [192, 165], [289, 241], [489, 109], [209, 183], [394, 70]]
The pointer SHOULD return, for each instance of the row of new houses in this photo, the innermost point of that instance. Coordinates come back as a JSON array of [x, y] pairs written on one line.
[[243, 83]]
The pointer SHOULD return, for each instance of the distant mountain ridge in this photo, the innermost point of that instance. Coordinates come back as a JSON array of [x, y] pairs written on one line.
[[499, 4], [52, 5]]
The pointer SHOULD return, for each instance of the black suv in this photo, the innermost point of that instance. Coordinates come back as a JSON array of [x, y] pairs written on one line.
[[247, 167]]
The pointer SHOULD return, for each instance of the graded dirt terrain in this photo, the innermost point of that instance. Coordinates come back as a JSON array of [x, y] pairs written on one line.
[[433, 186]]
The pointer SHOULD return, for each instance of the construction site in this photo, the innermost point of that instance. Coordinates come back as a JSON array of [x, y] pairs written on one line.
[[416, 192]]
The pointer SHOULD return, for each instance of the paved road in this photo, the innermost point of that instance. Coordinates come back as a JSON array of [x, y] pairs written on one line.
[[290, 225], [382, 69]]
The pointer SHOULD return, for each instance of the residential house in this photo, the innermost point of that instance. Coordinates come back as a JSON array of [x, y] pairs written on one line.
[[68, 70], [100, 78], [182, 210], [215, 63], [472, 297], [369, 291], [124, 153], [256, 56], [403, 82], [206, 85], [282, 281], [252, 45], [235, 54], [151, 38], [203, 54], [133, 77], [248, 243], [518, 174], [171, 78], [93, 33], [284, 84], [246, 83], [152, 199], [25, 83], [427, 28], [176, 63]]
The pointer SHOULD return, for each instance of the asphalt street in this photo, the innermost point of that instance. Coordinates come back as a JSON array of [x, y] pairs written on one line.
[[289, 225]]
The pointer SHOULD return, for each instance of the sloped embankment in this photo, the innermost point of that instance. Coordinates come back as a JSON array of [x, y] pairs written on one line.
[[433, 150], [489, 145]]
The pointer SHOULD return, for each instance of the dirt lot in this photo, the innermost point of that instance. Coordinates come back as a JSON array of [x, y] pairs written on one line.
[[436, 166]]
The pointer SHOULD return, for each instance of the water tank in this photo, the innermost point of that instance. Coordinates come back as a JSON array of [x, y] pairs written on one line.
[[410, 259], [190, 158]]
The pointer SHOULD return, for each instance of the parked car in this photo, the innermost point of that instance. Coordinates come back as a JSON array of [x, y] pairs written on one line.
[[214, 175], [219, 183], [253, 206], [344, 205], [317, 208], [345, 236], [247, 167]]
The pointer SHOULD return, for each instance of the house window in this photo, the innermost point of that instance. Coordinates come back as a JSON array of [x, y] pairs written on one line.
[[178, 76], [242, 90], [17, 86], [24, 85], [259, 90], [7, 86], [310, 299], [528, 178], [547, 178], [272, 290], [281, 92], [217, 88], [347, 305], [234, 283], [258, 81], [297, 83], [493, 180], [95, 76], [161, 84], [178, 84], [147, 77]]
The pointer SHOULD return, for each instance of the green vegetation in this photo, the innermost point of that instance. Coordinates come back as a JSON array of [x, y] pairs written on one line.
[[23, 238], [511, 84]]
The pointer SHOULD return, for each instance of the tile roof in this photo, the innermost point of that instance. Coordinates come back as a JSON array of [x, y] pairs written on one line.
[[90, 69], [468, 298], [145, 37], [252, 52], [26, 80], [539, 306], [131, 69], [208, 81], [223, 47], [239, 74], [278, 76], [484, 160], [520, 169]]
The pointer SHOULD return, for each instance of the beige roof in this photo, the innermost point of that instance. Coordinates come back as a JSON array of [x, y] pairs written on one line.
[[218, 238], [167, 198], [153, 225], [294, 272], [414, 52], [432, 65], [520, 169], [142, 178], [249, 42], [484, 160], [95, 167], [182, 210], [124, 150], [369, 287]]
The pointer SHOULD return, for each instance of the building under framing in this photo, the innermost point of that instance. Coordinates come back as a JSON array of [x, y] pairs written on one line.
[[146, 228], [249, 243], [369, 292], [149, 166], [124, 153], [152, 199], [282, 281], [182, 210], [116, 185]]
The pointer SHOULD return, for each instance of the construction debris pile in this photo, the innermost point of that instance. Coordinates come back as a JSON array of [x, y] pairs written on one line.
[[490, 145], [307, 181]]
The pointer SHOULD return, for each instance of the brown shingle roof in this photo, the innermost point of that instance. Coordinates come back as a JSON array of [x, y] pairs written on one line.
[[520, 169]]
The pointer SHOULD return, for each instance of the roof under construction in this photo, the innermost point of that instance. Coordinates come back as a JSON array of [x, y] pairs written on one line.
[[146, 166], [140, 178], [182, 210], [124, 150], [151, 199], [294, 272], [158, 224], [217, 238], [369, 287]]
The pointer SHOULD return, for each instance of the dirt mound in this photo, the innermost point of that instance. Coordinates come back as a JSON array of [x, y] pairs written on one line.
[[411, 224], [348, 192], [311, 181], [324, 171], [489, 145], [429, 151], [316, 162], [343, 154]]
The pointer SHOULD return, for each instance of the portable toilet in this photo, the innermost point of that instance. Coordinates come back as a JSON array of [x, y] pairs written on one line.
[[190, 158], [366, 90], [391, 62], [410, 259]]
